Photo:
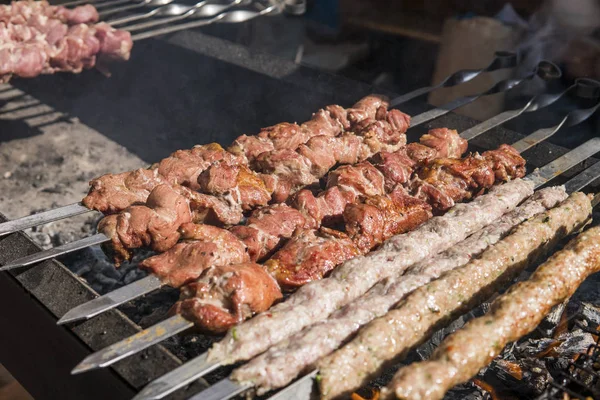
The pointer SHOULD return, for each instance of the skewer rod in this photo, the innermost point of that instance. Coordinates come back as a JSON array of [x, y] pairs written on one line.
[[42, 218], [122, 349], [111, 300]]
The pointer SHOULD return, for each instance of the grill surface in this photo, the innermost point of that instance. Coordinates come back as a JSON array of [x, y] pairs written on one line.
[[192, 80]]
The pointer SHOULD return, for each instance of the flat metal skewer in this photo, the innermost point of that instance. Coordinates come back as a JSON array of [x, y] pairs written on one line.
[[120, 350], [111, 300], [502, 60], [545, 70], [226, 388], [95, 3], [115, 10], [42, 218], [185, 374], [56, 251]]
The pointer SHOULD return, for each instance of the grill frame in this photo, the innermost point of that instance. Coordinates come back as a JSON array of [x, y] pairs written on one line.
[[32, 292]]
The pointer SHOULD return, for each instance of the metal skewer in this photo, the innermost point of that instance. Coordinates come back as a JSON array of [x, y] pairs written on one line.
[[545, 70], [583, 88], [95, 3], [230, 17], [185, 374], [42, 218], [502, 60], [160, 10], [111, 300], [180, 12], [143, 3], [146, 285]]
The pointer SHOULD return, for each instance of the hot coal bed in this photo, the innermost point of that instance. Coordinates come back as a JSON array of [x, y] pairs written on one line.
[[236, 92]]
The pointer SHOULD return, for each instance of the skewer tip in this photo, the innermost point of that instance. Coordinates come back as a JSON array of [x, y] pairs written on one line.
[[8, 267], [72, 316], [84, 366]]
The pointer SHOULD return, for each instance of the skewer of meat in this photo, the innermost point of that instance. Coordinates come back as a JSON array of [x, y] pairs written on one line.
[[154, 226], [269, 226], [237, 190], [112, 193], [512, 315], [23, 12], [279, 365], [433, 305], [38, 38]]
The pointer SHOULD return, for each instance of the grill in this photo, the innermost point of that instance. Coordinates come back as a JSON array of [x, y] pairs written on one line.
[[32, 291]]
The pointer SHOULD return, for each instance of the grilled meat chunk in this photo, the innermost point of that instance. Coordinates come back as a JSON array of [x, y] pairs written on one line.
[[444, 180], [155, 225], [203, 246], [267, 226], [309, 256], [237, 183], [112, 193], [226, 295], [377, 218], [184, 166], [446, 142]]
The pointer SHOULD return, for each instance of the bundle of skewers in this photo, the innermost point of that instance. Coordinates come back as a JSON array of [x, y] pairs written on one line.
[[39, 38], [374, 242]]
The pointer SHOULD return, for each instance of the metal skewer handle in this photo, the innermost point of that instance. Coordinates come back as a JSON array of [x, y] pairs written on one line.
[[162, 8], [545, 70], [502, 60], [230, 17], [583, 88], [202, 9], [141, 4]]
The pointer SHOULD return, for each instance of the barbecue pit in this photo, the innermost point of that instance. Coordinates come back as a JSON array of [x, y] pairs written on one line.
[[270, 80]]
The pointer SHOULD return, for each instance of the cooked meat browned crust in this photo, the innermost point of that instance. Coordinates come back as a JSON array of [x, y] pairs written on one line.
[[204, 246], [226, 295]]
